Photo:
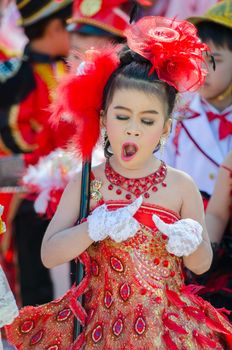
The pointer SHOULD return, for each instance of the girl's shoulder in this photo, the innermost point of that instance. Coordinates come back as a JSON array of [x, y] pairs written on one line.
[[183, 182], [179, 176], [98, 171]]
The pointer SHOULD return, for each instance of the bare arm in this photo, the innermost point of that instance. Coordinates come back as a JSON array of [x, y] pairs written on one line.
[[218, 210], [63, 239], [192, 207]]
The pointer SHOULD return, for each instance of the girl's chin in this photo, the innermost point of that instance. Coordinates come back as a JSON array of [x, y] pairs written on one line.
[[134, 163], [127, 159], [129, 165]]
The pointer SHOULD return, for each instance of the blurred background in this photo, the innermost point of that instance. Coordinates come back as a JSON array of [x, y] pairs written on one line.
[[12, 43], [12, 37]]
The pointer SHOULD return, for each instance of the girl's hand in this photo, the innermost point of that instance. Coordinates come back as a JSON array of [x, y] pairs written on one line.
[[119, 224], [184, 235]]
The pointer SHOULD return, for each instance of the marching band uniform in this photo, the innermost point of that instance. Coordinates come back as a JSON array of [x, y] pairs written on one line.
[[24, 113], [202, 133], [196, 145], [24, 116]]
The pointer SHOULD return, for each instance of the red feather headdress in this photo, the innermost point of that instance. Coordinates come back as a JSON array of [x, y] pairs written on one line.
[[173, 48], [79, 97]]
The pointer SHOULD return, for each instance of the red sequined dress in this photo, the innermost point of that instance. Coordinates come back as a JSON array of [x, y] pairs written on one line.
[[134, 298]]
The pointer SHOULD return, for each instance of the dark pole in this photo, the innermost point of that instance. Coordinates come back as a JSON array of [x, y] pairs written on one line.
[[84, 211]]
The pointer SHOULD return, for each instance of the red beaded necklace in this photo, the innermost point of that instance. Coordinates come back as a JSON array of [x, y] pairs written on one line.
[[139, 186]]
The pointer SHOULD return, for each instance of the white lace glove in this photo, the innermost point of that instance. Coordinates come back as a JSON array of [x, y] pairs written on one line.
[[184, 235], [8, 307], [119, 224]]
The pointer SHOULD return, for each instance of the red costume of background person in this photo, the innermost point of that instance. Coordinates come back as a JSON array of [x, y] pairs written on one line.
[[25, 88]]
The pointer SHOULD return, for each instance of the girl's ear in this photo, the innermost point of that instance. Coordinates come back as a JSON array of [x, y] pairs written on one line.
[[102, 119], [167, 128]]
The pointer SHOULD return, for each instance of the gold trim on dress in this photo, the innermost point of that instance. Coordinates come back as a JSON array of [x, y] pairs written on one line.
[[95, 186], [13, 124]]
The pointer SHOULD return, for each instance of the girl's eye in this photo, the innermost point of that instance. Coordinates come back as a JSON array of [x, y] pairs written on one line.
[[122, 117], [147, 121]]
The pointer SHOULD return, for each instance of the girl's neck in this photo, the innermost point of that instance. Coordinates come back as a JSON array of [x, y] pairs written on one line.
[[149, 167]]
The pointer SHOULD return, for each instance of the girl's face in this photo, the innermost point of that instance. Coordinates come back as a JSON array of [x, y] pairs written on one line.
[[135, 122]]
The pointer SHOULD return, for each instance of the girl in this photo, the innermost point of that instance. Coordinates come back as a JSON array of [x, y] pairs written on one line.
[[8, 308], [146, 219]]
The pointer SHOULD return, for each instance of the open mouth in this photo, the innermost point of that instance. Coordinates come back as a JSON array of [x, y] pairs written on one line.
[[129, 150]]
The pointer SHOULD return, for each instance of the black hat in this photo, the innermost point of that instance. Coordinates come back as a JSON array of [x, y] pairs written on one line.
[[32, 11], [221, 13]]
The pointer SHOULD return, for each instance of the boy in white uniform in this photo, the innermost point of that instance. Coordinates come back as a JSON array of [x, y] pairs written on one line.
[[203, 136]]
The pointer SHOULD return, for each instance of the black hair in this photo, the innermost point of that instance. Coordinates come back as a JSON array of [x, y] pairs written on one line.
[[220, 35], [134, 72]]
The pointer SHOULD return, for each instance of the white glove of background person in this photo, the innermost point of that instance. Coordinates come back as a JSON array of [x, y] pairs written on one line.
[[184, 235], [118, 224]]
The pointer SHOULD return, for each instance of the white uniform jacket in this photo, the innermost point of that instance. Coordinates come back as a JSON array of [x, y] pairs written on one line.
[[194, 146]]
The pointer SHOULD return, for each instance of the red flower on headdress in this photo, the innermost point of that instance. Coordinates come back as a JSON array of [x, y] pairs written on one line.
[[173, 48], [79, 97]]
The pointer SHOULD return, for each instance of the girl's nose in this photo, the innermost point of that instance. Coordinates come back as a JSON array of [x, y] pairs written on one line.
[[133, 133], [133, 130]]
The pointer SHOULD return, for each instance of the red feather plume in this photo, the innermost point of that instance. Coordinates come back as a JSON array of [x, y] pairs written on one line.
[[79, 97], [169, 342], [204, 341], [171, 324], [174, 298]]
